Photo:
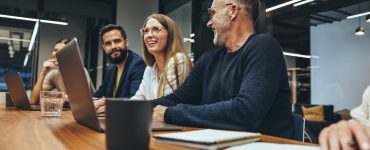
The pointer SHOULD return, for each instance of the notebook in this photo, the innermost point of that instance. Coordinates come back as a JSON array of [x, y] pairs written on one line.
[[273, 146], [208, 138]]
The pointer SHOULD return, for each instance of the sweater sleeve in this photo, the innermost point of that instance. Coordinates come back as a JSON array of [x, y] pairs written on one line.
[[259, 87], [99, 93]]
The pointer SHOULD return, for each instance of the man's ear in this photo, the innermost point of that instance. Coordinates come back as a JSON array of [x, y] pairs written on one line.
[[234, 11]]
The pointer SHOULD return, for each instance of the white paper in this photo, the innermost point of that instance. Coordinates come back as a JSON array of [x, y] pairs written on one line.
[[208, 135], [272, 146]]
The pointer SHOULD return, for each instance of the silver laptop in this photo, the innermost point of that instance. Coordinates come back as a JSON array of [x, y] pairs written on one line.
[[80, 98], [17, 92]]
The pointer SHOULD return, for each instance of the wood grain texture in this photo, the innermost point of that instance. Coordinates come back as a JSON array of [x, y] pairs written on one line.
[[20, 130], [29, 130]]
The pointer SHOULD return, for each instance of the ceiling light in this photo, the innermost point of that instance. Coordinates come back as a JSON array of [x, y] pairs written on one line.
[[358, 15], [33, 38], [367, 18], [14, 39], [17, 18], [54, 22], [33, 19], [282, 5], [303, 2], [299, 55], [26, 60], [360, 31]]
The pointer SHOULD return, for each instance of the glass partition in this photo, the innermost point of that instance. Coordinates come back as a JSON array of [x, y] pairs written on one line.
[[17, 47], [182, 17], [28, 33]]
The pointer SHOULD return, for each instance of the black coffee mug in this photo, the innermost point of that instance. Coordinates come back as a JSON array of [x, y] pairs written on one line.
[[128, 124]]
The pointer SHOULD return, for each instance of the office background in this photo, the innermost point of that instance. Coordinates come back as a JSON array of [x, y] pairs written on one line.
[[327, 63]]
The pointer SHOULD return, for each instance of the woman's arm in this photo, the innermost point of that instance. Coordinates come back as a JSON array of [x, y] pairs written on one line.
[[35, 96]]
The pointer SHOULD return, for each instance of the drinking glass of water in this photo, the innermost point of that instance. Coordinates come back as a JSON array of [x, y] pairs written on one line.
[[51, 103]]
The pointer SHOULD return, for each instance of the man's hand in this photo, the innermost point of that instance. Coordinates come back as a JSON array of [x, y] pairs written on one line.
[[100, 105], [344, 135], [158, 113]]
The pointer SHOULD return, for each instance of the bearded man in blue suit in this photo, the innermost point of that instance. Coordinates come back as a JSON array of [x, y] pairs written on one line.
[[123, 76]]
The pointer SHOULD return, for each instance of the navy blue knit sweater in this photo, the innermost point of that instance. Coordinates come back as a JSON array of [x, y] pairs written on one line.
[[244, 90]]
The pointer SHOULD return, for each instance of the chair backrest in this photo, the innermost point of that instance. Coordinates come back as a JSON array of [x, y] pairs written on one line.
[[328, 110], [299, 127]]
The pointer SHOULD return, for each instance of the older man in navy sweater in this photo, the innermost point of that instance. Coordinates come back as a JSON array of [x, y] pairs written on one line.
[[243, 86]]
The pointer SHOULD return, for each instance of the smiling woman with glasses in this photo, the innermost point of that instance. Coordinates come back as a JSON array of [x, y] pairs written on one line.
[[167, 63], [154, 30]]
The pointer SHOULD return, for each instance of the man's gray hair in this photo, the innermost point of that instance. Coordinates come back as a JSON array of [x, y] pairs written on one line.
[[251, 7]]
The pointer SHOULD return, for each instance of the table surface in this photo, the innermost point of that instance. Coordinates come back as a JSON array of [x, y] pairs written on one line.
[[29, 130]]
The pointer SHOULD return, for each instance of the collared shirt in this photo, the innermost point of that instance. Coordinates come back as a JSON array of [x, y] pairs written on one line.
[[118, 78]]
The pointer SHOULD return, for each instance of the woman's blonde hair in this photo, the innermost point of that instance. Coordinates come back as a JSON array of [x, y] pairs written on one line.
[[173, 46]]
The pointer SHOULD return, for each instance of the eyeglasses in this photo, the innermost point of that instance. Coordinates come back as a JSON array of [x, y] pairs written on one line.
[[212, 11], [154, 29]]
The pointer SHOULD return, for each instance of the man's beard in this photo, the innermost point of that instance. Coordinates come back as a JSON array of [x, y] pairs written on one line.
[[221, 29], [120, 58]]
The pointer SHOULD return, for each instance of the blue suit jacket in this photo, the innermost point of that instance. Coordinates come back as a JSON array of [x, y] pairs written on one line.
[[130, 78]]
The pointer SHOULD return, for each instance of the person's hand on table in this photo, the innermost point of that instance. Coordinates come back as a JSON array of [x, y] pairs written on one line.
[[345, 135], [158, 113], [100, 105]]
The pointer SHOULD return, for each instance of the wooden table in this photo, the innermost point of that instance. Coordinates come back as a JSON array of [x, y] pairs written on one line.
[[29, 130]]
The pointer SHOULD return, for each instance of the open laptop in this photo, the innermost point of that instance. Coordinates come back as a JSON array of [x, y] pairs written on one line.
[[80, 98], [17, 92]]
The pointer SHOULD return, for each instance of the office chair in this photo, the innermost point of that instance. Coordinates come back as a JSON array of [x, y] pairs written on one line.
[[299, 127], [316, 127]]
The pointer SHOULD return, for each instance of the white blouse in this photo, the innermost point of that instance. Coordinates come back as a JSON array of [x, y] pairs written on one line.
[[149, 85]]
